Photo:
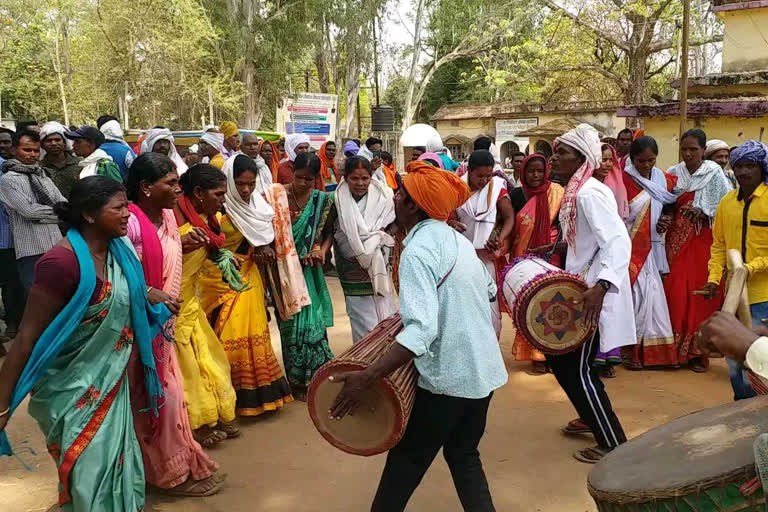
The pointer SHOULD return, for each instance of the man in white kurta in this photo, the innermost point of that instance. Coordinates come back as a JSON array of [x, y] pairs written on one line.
[[599, 249]]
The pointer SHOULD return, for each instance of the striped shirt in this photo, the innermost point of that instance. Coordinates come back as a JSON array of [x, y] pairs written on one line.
[[6, 238], [34, 226]]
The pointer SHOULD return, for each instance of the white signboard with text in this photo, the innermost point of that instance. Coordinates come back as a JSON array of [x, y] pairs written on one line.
[[313, 114], [507, 130]]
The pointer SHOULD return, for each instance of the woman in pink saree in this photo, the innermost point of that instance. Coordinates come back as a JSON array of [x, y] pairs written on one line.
[[173, 460]]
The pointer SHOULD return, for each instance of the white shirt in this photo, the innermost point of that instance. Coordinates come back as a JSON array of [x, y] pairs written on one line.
[[602, 239]]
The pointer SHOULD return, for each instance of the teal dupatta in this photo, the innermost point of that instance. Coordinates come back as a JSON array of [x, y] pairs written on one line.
[[304, 338]]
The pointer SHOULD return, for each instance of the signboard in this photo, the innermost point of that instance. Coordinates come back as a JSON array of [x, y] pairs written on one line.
[[313, 114], [507, 130]]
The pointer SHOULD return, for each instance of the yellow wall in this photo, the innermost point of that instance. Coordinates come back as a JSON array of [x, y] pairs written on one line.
[[473, 128], [744, 44], [470, 128], [733, 130]]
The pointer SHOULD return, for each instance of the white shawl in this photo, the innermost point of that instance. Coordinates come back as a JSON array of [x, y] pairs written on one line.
[[265, 174], [479, 212], [363, 236], [708, 182], [253, 219], [89, 163], [156, 134]]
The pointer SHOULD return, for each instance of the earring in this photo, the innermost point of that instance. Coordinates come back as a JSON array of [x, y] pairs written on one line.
[[147, 193]]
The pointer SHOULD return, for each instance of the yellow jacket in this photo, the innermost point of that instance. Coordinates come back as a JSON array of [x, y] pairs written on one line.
[[743, 225]]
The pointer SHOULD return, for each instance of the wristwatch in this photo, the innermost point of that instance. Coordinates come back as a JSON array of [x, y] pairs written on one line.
[[605, 284]]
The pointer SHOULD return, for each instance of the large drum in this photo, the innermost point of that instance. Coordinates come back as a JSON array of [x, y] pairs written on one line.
[[380, 422], [546, 305], [694, 463]]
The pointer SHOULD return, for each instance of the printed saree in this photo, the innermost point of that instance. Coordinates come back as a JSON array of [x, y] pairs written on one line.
[[304, 336], [171, 454], [239, 319], [524, 224], [82, 404]]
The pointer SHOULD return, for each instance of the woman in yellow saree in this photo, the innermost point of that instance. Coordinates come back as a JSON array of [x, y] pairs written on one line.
[[536, 231], [204, 366], [239, 319]]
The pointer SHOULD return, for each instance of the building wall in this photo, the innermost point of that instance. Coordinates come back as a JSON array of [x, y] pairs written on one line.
[[733, 130], [473, 128], [744, 47], [470, 128]]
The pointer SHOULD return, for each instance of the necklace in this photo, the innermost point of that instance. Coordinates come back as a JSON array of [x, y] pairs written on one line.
[[299, 208]]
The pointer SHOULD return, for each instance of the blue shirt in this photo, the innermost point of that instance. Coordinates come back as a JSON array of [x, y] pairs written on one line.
[[449, 329], [121, 154], [6, 237]]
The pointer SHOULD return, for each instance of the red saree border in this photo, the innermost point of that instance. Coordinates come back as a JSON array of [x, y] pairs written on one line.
[[640, 234], [82, 442]]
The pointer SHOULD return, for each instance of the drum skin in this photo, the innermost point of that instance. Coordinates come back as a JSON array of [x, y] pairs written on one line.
[[694, 463], [379, 423], [546, 305]]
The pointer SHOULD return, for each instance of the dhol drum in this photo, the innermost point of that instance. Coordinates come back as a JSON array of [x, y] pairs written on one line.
[[694, 463], [546, 305], [379, 423]]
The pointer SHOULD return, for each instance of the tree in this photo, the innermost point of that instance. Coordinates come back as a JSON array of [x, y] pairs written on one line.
[[634, 40]]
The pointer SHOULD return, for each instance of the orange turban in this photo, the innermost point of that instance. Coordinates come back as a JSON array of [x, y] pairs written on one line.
[[228, 128], [434, 190]]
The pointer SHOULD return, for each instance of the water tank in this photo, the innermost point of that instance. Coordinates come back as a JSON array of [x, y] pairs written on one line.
[[383, 118]]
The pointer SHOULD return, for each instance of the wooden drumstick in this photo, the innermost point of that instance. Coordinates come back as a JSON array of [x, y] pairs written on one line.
[[736, 297]]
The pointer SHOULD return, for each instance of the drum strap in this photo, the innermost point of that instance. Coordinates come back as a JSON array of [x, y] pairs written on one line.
[[450, 270]]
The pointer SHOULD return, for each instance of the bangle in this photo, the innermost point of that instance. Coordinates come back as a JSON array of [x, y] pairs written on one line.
[[149, 289], [6, 411]]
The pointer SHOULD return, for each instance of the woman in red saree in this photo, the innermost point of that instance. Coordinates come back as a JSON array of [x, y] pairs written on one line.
[[700, 185], [535, 231]]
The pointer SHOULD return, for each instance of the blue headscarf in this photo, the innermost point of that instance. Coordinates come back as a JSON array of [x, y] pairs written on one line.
[[146, 321], [751, 151]]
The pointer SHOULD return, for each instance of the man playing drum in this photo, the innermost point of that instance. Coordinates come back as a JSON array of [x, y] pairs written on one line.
[[599, 250], [445, 295]]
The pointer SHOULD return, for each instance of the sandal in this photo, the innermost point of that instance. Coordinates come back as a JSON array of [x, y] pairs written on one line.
[[300, 394], [539, 367], [697, 366], [197, 488], [590, 455], [576, 427], [231, 430], [208, 437], [607, 372]]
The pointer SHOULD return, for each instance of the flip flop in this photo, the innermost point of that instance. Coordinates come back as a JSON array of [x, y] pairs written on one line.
[[590, 455], [576, 427]]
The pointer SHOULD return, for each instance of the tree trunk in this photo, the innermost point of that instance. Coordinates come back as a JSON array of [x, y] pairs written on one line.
[[322, 69], [410, 107], [251, 105], [352, 91], [56, 58]]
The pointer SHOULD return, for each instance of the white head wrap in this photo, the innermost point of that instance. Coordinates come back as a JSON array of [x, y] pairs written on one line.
[[52, 127], [293, 140], [215, 139], [112, 131], [584, 139], [194, 149], [715, 145], [156, 134], [252, 219]]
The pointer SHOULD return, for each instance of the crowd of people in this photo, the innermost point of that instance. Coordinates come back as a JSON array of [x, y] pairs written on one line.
[[138, 286]]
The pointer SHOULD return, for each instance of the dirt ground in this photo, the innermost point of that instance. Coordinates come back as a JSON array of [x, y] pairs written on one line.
[[281, 464]]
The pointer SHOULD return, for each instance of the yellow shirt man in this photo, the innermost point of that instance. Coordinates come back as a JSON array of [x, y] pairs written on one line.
[[743, 224]]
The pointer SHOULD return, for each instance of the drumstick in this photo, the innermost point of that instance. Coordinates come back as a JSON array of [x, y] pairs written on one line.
[[736, 300]]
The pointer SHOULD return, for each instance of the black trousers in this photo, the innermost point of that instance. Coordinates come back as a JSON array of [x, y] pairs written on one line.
[[14, 297], [437, 421], [581, 382]]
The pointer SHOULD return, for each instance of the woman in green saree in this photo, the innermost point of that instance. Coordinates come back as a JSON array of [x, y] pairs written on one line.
[[304, 336], [87, 310]]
